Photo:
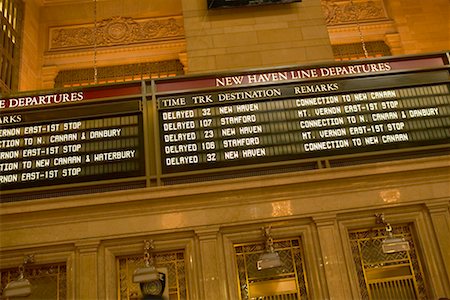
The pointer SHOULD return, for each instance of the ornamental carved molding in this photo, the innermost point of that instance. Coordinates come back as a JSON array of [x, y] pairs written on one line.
[[116, 31], [346, 12]]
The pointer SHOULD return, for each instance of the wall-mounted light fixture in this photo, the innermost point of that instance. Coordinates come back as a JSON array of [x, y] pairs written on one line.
[[21, 287], [151, 282], [391, 244], [147, 273], [269, 259]]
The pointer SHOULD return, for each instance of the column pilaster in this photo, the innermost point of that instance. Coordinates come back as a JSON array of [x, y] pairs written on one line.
[[440, 217], [87, 270], [394, 42], [213, 278], [333, 257]]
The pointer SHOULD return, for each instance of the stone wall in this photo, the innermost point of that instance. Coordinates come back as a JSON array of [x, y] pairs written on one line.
[[226, 39], [253, 37], [423, 25], [30, 67], [130, 32], [205, 219], [406, 26]]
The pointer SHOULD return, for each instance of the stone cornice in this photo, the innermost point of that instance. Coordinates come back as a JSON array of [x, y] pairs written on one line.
[[198, 190], [180, 43], [383, 26], [236, 202]]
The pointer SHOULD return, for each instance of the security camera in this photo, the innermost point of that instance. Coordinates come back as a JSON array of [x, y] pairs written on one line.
[[152, 282]]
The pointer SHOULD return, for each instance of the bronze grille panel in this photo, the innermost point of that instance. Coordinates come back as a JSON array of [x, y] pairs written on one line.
[[287, 282], [356, 51], [173, 261], [120, 73], [387, 275]]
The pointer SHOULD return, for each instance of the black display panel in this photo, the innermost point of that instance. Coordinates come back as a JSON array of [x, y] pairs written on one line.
[[280, 122], [71, 145], [237, 3], [227, 122]]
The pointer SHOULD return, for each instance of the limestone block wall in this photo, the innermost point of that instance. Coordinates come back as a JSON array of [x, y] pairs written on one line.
[[252, 37], [61, 35], [30, 67], [228, 39], [89, 232], [423, 26]]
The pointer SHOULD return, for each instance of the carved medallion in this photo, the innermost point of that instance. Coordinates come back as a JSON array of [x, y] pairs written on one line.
[[116, 31]]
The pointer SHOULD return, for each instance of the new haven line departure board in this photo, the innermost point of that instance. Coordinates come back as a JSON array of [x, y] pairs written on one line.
[[165, 131], [70, 143], [238, 126]]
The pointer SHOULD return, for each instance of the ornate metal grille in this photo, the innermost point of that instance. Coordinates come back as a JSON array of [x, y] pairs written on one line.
[[47, 281], [121, 73], [387, 275], [11, 12], [356, 51], [287, 282], [173, 261]]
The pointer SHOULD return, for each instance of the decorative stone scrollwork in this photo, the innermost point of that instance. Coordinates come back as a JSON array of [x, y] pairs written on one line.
[[116, 31], [345, 12]]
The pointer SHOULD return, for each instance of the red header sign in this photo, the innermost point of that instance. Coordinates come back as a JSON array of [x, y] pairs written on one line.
[[41, 100], [298, 74], [69, 97], [243, 79]]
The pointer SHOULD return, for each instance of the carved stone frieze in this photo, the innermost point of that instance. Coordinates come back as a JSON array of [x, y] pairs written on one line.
[[115, 31], [345, 12]]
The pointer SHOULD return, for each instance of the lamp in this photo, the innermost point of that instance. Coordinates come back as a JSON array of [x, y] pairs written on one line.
[[270, 258], [147, 273], [151, 282], [391, 244], [21, 287]]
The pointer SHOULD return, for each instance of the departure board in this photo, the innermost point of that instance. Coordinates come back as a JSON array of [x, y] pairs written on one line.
[[144, 133], [279, 122], [71, 144]]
